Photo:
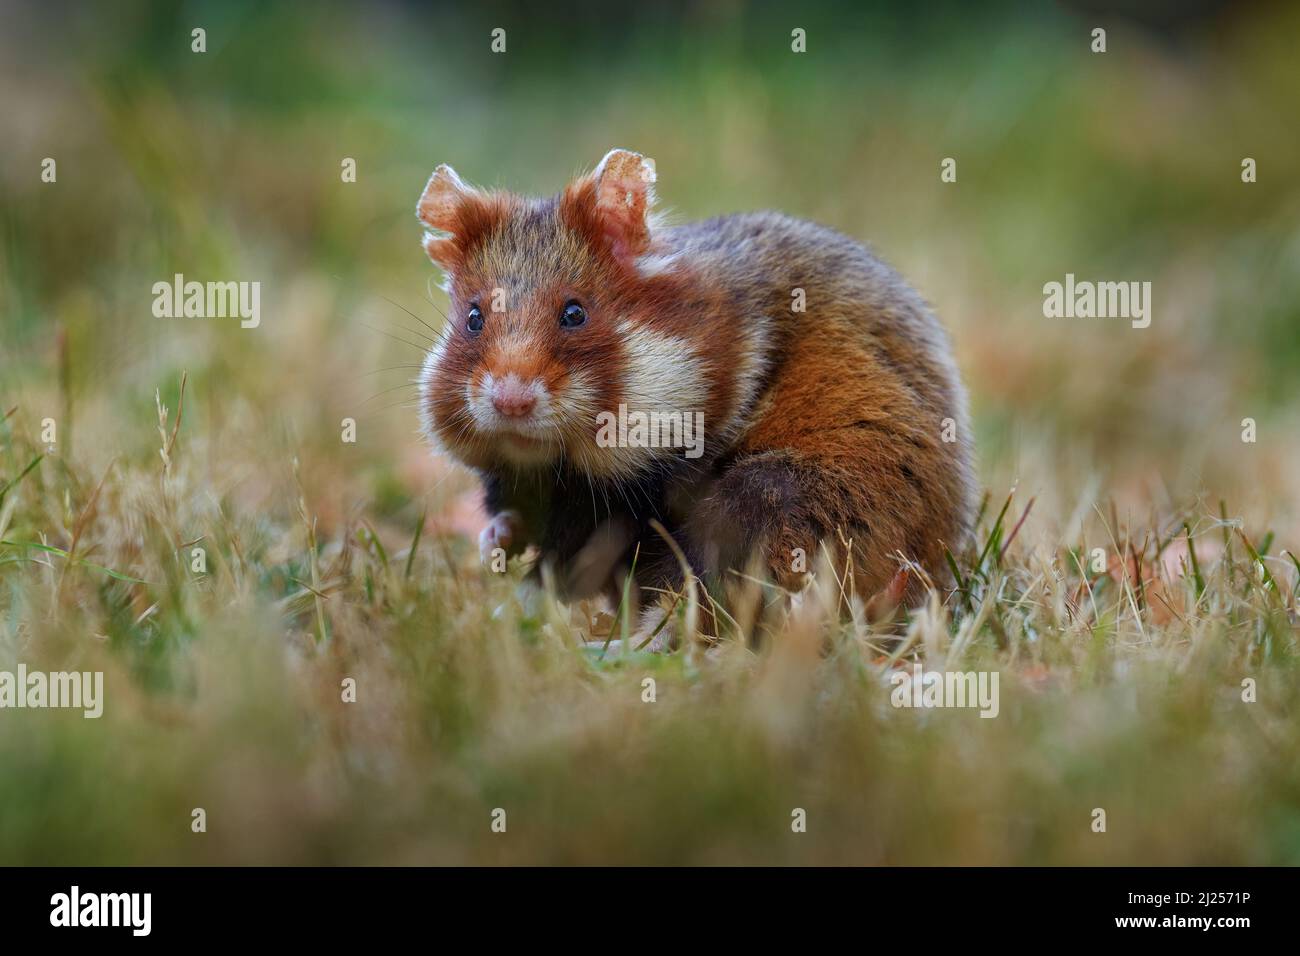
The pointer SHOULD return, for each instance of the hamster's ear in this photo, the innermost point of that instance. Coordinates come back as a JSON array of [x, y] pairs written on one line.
[[624, 193], [442, 209]]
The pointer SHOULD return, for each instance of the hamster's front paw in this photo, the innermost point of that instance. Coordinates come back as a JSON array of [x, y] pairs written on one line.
[[656, 632], [499, 532], [528, 599]]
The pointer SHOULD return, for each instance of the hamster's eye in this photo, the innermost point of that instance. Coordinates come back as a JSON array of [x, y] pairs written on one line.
[[572, 315], [474, 324]]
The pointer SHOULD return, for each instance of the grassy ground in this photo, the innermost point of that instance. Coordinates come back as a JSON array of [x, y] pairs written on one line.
[[1121, 687]]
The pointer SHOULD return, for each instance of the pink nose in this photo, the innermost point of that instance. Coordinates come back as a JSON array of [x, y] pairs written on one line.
[[513, 398]]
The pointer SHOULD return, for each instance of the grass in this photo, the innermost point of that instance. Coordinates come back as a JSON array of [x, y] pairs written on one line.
[[1120, 690], [1121, 673]]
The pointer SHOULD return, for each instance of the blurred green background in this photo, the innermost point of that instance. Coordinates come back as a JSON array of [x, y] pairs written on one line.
[[1122, 166]]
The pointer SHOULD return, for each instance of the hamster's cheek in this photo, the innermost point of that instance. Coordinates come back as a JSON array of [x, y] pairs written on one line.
[[610, 455]]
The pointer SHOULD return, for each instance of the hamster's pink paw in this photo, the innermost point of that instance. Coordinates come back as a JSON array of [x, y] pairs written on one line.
[[499, 532]]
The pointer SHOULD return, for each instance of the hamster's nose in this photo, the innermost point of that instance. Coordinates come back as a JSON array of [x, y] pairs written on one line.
[[513, 398]]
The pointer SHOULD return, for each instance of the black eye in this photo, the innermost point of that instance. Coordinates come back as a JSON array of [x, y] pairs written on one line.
[[572, 316], [475, 321]]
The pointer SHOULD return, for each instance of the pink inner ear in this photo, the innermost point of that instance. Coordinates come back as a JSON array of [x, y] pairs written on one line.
[[621, 208], [442, 251], [439, 205], [438, 211], [623, 197]]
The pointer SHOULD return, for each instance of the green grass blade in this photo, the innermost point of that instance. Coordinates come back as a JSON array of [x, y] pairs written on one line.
[[415, 542], [21, 475]]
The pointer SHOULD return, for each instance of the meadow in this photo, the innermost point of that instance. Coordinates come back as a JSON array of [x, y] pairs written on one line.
[[195, 525]]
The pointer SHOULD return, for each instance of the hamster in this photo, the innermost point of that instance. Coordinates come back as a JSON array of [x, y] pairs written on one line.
[[833, 416]]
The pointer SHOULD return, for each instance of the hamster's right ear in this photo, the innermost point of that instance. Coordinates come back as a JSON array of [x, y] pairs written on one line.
[[624, 194], [443, 209]]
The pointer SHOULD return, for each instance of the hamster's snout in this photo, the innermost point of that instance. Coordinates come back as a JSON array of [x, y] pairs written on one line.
[[512, 397], [515, 415]]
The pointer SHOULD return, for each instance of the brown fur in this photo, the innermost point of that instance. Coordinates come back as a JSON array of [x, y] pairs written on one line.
[[821, 426]]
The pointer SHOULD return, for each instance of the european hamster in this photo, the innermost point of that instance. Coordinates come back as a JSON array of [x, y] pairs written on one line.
[[831, 408]]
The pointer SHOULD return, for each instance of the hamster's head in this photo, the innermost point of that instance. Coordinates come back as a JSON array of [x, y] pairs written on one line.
[[556, 320]]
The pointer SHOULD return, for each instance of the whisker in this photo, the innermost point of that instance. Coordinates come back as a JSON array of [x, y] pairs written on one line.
[[409, 312], [385, 408], [387, 390], [418, 334], [406, 310], [429, 297], [391, 368], [396, 338]]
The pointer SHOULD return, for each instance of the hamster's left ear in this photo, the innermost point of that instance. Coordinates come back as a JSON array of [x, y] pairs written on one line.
[[447, 206], [624, 192]]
